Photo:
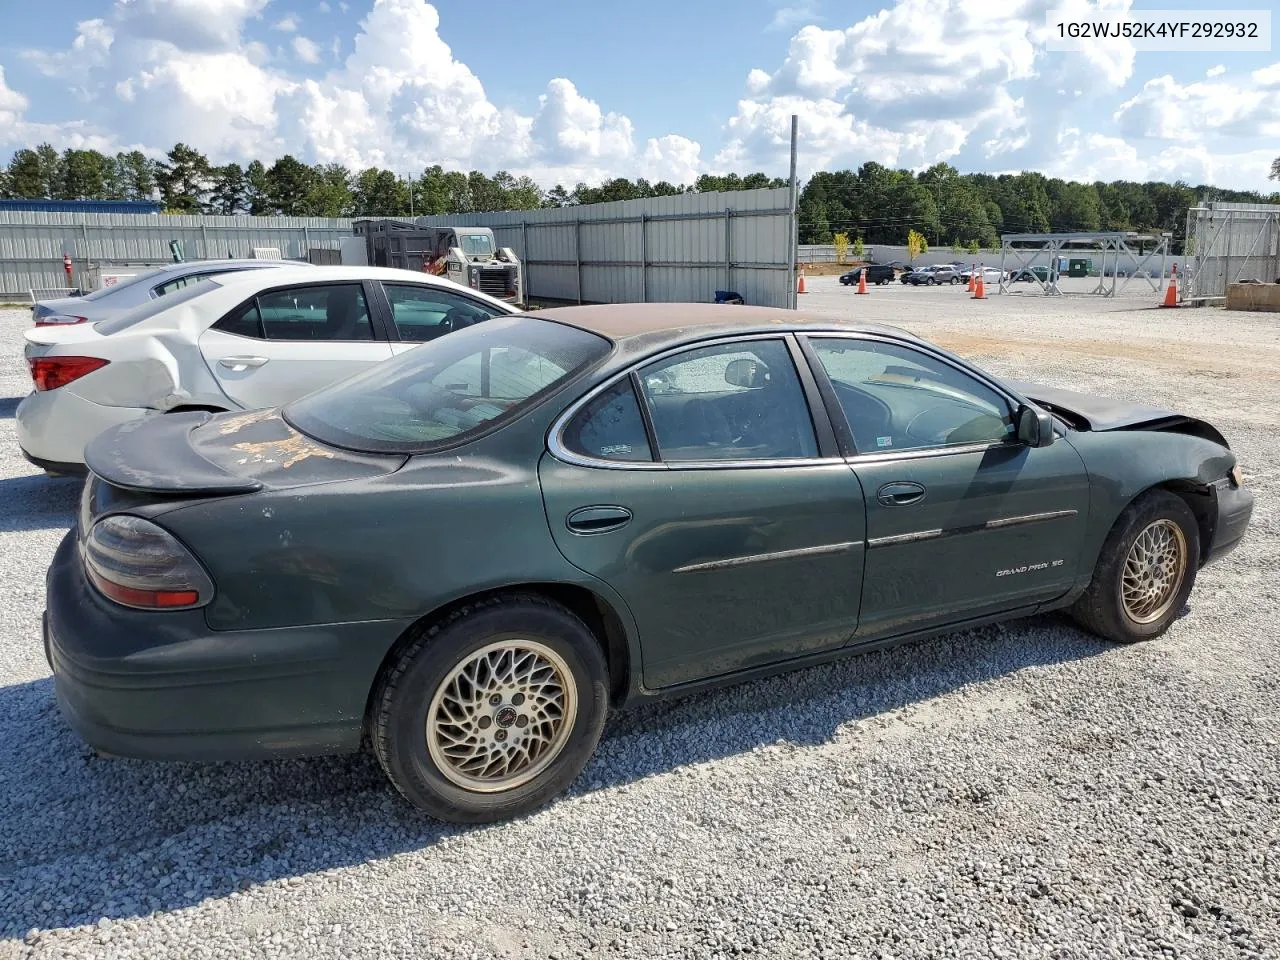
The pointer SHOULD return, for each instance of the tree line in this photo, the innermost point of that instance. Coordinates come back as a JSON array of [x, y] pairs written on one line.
[[947, 208], [186, 182], [871, 205]]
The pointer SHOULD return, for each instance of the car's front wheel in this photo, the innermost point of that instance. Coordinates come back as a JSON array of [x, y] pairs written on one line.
[[492, 712], [1145, 571]]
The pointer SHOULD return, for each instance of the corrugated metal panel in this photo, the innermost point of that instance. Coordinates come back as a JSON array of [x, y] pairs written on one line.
[[32, 244], [662, 249]]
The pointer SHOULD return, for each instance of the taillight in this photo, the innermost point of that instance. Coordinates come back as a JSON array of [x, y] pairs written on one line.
[[139, 564], [50, 373], [59, 319]]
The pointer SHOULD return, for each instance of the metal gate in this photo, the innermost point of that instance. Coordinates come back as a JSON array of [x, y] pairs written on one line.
[[1229, 242]]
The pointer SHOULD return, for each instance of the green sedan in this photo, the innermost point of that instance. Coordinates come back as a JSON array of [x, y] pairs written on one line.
[[469, 554]]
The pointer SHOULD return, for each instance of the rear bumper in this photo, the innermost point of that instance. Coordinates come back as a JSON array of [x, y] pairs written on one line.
[[163, 686], [53, 426], [1234, 508]]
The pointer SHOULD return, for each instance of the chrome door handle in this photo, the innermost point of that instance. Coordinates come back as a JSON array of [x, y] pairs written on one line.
[[900, 493], [599, 519], [240, 364]]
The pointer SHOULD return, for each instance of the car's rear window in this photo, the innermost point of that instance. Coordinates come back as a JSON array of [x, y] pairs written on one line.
[[152, 307], [444, 391]]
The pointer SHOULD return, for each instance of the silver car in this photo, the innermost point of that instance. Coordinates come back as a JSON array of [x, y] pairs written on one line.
[[136, 291]]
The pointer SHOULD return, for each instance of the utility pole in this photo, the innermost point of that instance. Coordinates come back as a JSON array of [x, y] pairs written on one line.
[[794, 242]]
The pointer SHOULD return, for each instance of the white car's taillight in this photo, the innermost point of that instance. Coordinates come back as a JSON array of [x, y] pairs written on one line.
[[58, 319], [139, 564]]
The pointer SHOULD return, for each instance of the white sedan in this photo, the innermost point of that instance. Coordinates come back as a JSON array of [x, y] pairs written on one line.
[[242, 340]]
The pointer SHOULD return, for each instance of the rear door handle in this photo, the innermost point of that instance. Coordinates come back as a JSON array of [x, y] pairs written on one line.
[[598, 519], [240, 364], [900, 493]]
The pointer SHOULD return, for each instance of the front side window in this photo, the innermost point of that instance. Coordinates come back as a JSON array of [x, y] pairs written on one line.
[[610, 427], [897, 398], [738, 401], [423, 312], [442, 391]]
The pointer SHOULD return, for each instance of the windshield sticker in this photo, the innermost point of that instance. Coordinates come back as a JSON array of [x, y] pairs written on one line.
[[884, 441]]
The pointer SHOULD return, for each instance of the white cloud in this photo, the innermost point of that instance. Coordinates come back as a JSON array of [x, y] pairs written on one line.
[[323, 7], [1168, 110], [306, 50], [786, 17], [286, 24], [672, 158], [1217, 71], [195, 25]]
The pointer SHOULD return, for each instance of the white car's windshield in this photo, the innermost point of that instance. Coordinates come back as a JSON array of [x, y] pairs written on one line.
[[152, 307], [116, 287]]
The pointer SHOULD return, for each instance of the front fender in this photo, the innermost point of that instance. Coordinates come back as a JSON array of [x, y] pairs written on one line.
[[1124, 464]]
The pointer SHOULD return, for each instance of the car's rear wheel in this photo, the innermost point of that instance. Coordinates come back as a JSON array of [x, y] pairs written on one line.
[[492, 712], [1145, 571]]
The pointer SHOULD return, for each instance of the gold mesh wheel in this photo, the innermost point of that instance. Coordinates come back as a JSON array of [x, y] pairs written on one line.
[[1153, 571], [501, 716]]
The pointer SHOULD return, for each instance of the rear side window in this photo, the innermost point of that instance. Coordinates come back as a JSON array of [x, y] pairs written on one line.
[[422, 312], [610, 427], [335, 312], [448, 389], [177, 283]]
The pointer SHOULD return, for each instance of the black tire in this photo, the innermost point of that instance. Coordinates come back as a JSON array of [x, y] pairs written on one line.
[[954, 281], [1100, 609], [404, 692]]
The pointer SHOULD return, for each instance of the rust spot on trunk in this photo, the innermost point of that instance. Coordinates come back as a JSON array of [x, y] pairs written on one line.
[[285, 453]]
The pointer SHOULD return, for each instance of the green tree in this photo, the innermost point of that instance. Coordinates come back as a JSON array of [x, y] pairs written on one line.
[[257, 189], [859, 248], [1275, 170], [380, 193], [916, 244], [289, 183], [330, 194], [230, 193], [84, 175], [137, 175], [25, 179], [50, 170], [558, 196], [183, 177]]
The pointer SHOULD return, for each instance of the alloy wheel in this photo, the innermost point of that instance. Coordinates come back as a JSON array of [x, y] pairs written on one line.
[[1153, 571]]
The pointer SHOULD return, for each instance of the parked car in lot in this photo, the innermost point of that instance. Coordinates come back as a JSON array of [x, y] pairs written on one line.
[[136, 291], [938, 273], [989, 274], [235, 341], [1029, 274], [877, 273], [471, 553]]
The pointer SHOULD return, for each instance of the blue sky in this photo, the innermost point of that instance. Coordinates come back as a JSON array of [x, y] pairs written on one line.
[[566, 92]]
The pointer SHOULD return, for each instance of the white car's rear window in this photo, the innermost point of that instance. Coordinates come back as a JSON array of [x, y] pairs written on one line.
[[152, 307]]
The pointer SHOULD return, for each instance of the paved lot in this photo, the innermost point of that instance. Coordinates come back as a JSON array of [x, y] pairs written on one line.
[[1023, 791]]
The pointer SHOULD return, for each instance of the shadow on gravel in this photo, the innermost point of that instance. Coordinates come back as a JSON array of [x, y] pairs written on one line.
[[38, 502], [8, 405], [83, 838]]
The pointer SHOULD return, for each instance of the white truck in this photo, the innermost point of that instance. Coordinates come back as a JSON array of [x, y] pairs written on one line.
[[467, 255]]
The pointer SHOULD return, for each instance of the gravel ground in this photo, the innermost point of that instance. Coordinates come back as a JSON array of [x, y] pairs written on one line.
[[1020, 791]]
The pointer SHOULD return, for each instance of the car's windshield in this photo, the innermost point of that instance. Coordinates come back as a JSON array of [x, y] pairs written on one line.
[[445, 390], [152, 307], [116, 287]]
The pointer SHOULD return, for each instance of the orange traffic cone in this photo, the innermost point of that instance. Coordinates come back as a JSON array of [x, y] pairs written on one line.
[[800, 283], [862, 281], [1171, 291], [980, 289], [973, 272]]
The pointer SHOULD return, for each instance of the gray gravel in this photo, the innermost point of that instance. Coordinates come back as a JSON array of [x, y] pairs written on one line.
[[1021, 791]]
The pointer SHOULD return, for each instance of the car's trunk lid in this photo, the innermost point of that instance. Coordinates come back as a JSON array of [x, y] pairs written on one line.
[[203, 454]]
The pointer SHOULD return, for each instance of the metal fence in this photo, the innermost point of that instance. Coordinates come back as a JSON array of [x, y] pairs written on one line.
[[32, 244], [1228, 242], [660, 249]]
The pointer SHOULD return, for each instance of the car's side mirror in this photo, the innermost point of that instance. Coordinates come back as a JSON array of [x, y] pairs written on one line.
[[1035, 427], [745, 372]]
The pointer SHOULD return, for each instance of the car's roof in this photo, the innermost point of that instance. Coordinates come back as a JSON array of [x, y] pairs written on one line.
[[186, 266], [247, 280], [676, 323]]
